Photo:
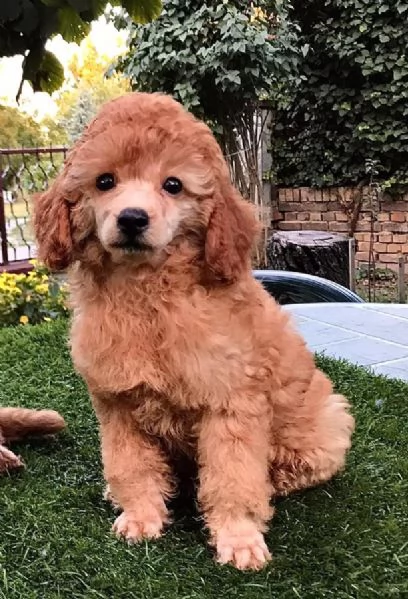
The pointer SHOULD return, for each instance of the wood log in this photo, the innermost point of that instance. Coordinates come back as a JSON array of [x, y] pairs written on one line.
[[312, 252]]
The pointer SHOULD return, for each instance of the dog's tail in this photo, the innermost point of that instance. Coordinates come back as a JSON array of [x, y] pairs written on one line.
[[16, 423]]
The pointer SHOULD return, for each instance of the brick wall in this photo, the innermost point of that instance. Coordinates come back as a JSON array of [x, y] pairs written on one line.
[[331, 210]]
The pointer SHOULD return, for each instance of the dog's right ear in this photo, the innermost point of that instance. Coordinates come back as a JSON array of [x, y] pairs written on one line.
[[52, 227]]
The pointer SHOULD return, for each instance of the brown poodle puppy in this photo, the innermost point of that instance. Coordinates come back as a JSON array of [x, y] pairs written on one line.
[[16, 423], [181, 349]]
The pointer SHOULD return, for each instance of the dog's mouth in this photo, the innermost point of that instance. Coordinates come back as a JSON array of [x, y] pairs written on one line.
[[132, 247]]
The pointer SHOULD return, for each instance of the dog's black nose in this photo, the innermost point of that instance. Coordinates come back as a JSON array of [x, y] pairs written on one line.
[[133, 221]]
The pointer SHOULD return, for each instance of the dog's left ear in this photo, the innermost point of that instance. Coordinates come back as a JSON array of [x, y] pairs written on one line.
[[231, 234], [52, 226]]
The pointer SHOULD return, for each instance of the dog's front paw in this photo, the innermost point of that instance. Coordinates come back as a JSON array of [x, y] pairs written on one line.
[[9, 460], [134, 528], [242, 545]]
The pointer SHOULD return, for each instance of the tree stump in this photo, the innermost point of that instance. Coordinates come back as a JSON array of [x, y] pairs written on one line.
[[311, 252]]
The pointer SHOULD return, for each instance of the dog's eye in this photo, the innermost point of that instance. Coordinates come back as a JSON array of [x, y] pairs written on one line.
[[172, 185], [105, 182]]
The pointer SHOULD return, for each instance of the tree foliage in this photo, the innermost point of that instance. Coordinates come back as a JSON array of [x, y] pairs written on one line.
[[18, 129], [217, 58], [26, 25], [220, 59], [352, 103], [88, 88]]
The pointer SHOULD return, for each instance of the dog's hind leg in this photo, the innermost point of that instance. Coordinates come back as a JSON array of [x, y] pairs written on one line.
[[311, 445]]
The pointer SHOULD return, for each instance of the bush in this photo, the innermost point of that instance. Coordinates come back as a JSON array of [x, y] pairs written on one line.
[[351, 104], [31, 298]]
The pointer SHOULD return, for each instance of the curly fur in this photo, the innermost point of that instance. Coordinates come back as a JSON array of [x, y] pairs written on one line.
[[17, 423], [182, 350]]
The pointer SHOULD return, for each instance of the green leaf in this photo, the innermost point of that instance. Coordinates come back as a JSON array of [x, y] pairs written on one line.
[[28, 20], [10, 10], [305, 49], [81, 5], [53, 3], [50, 75], [143, 11], [70, 25]]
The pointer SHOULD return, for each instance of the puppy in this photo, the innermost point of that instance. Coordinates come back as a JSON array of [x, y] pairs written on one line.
[[183, 351]]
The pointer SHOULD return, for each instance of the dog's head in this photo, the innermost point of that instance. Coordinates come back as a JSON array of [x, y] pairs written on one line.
[[144, 175]]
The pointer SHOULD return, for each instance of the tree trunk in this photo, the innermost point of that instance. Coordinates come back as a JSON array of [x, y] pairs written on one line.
[[312, 252]]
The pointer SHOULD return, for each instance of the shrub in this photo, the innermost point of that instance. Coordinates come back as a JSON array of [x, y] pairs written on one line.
[[31, 298], [351, 104]]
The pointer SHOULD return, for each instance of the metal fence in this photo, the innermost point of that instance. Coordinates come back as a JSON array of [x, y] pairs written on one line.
[[22, 173]]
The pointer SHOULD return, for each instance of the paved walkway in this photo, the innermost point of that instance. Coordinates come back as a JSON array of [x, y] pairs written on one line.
[[373, 335]]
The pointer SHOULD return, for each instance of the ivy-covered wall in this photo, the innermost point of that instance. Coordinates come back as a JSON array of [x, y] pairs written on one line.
[[353, 102]]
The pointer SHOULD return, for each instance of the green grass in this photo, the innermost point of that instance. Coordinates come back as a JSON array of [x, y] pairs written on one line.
[[348, 539]]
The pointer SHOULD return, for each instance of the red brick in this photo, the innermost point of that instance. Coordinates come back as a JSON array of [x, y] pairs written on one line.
[[336, 193], [291, 206], [395, 227], [296, 194], [329, 216], [390, 257], [386, 237], [333, 205], [393, 247], [341, 217], [309, 195], [292, 225], [363, 236], [399, 238], [404, 248], [300, 206], [339, 227], [303, 194], [315, 226], [326, 195], [364, 246], [398, 217], [276, 215], [391, 206], [303, 216], [363, 256], [316, 206], [380, 247], [315, 216], [366, 226], [383, 216]]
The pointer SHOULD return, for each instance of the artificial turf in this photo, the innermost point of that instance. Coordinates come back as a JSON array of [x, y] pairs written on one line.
[[346, 539]]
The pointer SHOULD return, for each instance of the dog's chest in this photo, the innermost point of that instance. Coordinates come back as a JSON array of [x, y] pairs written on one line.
[[155, 415], [174, 345]]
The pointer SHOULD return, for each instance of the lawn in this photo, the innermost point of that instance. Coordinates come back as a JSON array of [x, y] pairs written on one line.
[[347, 539]]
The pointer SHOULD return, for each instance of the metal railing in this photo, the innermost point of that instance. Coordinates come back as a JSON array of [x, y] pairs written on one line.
[[23, 172]]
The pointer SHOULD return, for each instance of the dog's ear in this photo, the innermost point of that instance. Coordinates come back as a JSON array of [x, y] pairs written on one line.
[[231, 234], [52, 226]]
